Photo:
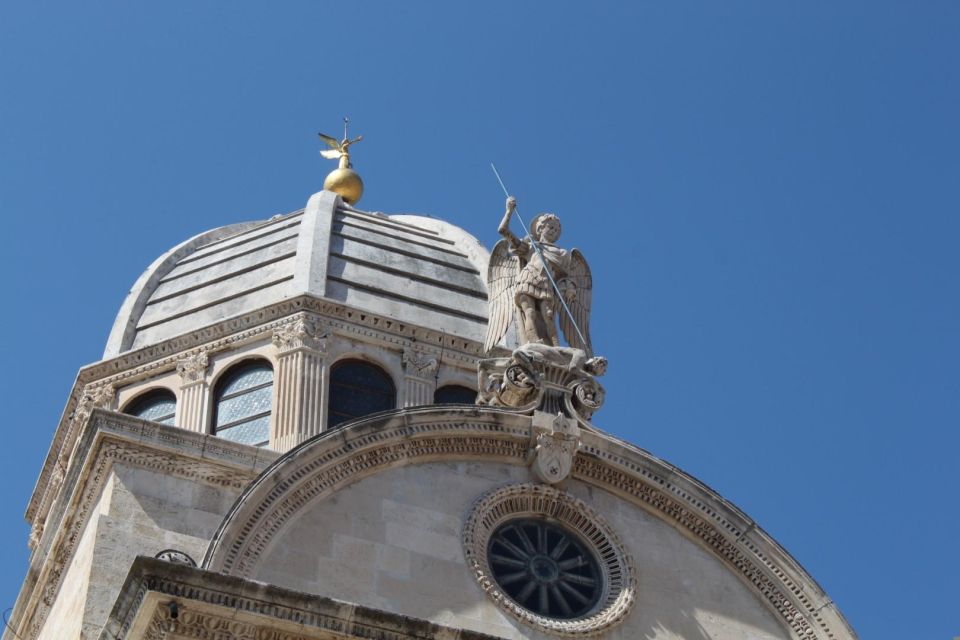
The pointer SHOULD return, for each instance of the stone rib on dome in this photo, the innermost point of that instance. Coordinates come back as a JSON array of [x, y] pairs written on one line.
[[406, 267]]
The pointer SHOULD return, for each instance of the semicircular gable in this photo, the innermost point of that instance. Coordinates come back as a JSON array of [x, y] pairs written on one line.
[[337, 459]]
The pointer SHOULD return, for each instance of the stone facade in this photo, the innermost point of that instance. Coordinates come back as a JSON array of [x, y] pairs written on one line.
[[380, 527]]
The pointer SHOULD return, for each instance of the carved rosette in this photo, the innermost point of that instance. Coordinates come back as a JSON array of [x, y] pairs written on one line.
[[303, 332], [507, 503], [556, 380], [193, 368]]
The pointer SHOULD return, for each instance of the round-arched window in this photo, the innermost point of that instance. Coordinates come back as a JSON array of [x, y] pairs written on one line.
[[159, 405], [243, 400], [545, 568], [358, 388], [454, 394]]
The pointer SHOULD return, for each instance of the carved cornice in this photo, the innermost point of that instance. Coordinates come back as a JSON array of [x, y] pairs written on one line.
[[108, 439], [257, 325], [424, 434], [208, 606]]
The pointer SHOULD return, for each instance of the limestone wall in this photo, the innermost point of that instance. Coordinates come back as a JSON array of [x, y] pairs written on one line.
[[393, 541], [140, 512]]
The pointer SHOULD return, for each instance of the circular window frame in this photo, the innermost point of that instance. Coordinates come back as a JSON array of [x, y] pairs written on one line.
[[519, 501]]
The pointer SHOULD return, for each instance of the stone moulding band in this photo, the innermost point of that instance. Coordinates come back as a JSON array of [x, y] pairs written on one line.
[[534, 500], [333, 460]]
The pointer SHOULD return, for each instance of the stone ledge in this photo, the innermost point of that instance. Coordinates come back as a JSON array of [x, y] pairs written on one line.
[[211, 601]]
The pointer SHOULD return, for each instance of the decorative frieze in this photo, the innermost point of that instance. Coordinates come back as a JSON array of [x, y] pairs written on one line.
[[182, 602]]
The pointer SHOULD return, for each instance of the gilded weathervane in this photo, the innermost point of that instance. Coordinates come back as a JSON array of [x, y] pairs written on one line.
[[343, 180]]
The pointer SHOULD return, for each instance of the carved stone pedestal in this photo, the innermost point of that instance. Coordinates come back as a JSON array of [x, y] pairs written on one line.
[[554, 380]]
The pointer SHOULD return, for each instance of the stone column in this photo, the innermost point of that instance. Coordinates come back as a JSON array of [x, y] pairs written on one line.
[[194, 396], [300, 398], [419, 371]]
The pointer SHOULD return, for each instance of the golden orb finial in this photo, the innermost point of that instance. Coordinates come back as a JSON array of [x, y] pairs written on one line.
[[343, 180]]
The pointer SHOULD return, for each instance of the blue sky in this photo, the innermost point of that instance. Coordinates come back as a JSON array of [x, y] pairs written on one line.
[[766, 191]]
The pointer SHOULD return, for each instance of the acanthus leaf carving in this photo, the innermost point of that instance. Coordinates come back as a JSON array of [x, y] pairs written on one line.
[[193, 368], [303, 332]]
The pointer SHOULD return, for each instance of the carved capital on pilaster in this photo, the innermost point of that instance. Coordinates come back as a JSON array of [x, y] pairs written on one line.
[[303, 332], [419, 363], [93, 397], [193, 368], [36, 532]]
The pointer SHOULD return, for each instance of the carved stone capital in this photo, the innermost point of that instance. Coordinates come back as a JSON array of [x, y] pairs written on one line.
[[303, 332], [94, 397], [555, 380], [555, 441], [193, 368], [36, 532], [419, 363]]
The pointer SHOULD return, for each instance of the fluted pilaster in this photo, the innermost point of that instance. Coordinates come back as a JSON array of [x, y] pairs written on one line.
[[419, 371], [301, 403], [192, 403]]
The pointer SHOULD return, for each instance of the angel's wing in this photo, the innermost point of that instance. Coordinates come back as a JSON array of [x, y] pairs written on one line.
[[501, 286], [330, 154], [579, 275], [333, 143]]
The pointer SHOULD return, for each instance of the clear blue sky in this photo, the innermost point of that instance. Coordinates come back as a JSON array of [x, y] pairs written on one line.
[[767, 193]]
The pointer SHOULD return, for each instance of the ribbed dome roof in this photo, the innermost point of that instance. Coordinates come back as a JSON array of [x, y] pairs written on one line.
[[410, 268]]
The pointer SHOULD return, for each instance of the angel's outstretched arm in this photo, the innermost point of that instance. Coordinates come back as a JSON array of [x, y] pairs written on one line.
[[504, 229]]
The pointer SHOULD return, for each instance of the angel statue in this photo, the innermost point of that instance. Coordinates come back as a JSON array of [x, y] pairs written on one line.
[[519, 286]]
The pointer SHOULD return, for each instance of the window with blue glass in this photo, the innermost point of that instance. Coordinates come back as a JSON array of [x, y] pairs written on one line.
[[454, 394], [358, 388], [243, 398], [159, 405]]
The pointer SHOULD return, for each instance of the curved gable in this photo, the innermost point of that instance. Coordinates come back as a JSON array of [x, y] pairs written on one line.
[[376, 511]]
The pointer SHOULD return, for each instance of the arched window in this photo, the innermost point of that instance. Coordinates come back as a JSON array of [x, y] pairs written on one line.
[[454, 394], [243, 396], [159, 405], [358, 388]]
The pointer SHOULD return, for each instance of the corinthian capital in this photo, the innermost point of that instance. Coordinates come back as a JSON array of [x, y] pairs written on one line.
[[419, 363], [302, 332], [193, 368]]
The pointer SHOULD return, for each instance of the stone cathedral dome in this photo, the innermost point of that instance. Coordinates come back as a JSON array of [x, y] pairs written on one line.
[[296, 433], [406, 267]]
